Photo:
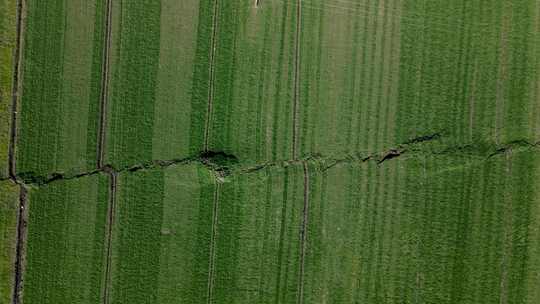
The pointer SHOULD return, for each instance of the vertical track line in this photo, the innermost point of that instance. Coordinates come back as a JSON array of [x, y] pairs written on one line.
[[20, 246], [104, 86], [303, 234], [211, 72], [111, 213], [296, 79], [15, 91], [211, 266]]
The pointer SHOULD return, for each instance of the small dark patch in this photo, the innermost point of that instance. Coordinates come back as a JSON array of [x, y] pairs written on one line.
[[33, 178], [219, 161], [420, 139], [389, 155]]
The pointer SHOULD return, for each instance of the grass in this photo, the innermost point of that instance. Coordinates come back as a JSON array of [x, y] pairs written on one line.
[[162, 234], [9, 203], [257, 243], [452, 219], [8, 37], [59, 111], [65, 247], [254, 75], [468, 70], [349, 63], [429, 230], [159, 80]]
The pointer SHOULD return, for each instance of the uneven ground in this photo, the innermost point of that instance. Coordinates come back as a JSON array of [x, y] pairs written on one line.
[[269, 151]]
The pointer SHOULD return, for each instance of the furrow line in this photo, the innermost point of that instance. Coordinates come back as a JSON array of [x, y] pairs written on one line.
[[211, 76], [296, 79], [104, 86], [111, 212], [17, 56], [303, 234], [20, 246], [211, 264]]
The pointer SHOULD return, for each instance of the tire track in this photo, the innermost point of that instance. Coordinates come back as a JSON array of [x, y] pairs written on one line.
[[211, 264], [104, 86], [111, 212], [296, 79], [17, 58], [20, 246], [211, 76], [303, 234]]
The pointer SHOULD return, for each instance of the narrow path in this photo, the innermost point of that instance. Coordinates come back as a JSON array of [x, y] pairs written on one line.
[[110, 223], [296, 79], [15, 90], [211, 76], [211, 266], [20, 246], [303, 234], [104, 87]]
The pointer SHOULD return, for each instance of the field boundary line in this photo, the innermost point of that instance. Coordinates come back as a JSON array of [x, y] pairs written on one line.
[[104, 85], [15, 90], [20, 250], [110, 223], [296, 79], [211, 262], [211, 76], [303, 234]]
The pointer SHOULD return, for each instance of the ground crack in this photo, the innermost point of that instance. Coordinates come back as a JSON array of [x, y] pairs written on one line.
[[223, 164]]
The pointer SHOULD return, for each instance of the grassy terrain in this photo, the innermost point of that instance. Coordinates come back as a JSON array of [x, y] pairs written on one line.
[[349, 63], [59, 111], [425, 230], [162, 235], [8, 33], [159, 80], [375, 74], [65, 248], [469, 70], [452, 217], [9, 203], [252, 106], [257, 244]]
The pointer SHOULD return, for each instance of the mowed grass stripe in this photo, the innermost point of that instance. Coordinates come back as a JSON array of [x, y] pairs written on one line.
[[469, 74], [9, 14], [159, 86], [444, 229], [104, 96], [65, 252], [346, 82], [132, 91], [178, 127], [61, 80], [9, 206], [161, 236], [252, 116], [258, 237]]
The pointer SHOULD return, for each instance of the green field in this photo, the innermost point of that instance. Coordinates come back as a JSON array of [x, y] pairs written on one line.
[[270, 151], [253, 86], [257, 244], [8, 16], [427, 229], [9, 202], [161, 236], [66, 241], [159, 78], [61, 86]]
